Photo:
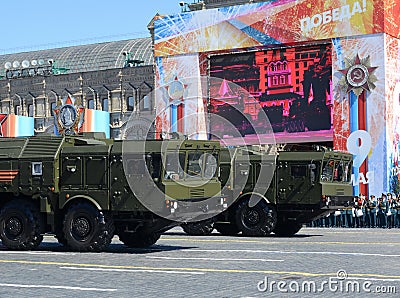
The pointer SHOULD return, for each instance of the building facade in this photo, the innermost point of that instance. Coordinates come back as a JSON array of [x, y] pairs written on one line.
[[112, 77]]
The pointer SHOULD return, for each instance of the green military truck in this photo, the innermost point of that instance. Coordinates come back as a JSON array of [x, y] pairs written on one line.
[[86, 189], [292, 186]]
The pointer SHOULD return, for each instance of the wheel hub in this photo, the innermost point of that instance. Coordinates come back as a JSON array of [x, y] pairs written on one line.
[[81, 227], [252, 217], [14, 226]]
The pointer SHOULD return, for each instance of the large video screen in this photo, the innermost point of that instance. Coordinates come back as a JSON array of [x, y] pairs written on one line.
[[289, 86]]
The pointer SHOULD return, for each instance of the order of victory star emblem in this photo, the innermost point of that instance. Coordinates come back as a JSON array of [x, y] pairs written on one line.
[[69, 116], [358, 75]]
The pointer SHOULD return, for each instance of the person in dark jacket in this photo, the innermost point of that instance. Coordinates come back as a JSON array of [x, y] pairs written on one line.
[[366, 207], [390, 211], [382, 223], [373, 211]]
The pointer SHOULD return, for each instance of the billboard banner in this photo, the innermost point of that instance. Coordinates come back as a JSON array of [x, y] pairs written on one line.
[[272, 22], [360, 112], [16, 126]]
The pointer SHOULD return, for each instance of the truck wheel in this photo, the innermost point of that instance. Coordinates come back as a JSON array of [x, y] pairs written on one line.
[[200, 228], [227, 229], [86, 228], [287, 229], [138, 240], [259, 220], [20, 225]]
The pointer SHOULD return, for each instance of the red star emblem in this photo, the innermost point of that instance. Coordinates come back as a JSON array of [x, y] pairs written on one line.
[[176, 90]]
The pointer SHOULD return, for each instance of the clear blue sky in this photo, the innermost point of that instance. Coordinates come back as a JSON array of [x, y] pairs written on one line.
[[28, 25]]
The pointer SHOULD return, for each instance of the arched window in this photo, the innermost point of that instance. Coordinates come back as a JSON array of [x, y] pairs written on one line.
[[130, 103], [90, 98], [116, 101], [104, 104], [30, 110], [17, 104], [146, 102], [145, 96], [40, 110], [17, 110], [5, 107], [272, 67], [51, 99]]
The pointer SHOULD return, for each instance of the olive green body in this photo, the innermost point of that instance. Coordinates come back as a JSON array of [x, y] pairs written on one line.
[[56, 172], [290, 181]]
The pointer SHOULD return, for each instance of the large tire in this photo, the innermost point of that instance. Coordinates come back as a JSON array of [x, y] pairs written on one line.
[[259, 220], [227, 229], [85, 228], [287, 229], [200, 228], [138, 239], [20, 225]]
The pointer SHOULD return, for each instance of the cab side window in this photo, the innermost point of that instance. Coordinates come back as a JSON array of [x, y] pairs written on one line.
[[174, 166]]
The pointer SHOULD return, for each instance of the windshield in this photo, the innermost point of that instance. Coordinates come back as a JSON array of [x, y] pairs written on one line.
[[195, 161], [336, 171], [211, 165], [327, 170], [202, 165], [199, 165], [347, 171]]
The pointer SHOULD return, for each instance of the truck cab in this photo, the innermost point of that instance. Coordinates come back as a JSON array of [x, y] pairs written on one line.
[[279, 188]]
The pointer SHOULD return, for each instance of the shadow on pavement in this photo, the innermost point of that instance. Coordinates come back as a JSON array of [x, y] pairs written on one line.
[[112, 248], [242, 236]]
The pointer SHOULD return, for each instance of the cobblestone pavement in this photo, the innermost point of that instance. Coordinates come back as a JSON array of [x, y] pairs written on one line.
[[317, 262]]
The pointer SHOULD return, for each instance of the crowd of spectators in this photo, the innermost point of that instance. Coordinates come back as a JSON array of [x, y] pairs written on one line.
[[365, 212]]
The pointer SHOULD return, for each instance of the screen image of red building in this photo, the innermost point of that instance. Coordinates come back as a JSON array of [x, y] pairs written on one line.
[[291, 85]]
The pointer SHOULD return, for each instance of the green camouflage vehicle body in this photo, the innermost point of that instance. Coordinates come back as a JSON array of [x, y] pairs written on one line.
[[78, 188], [305, 185]]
